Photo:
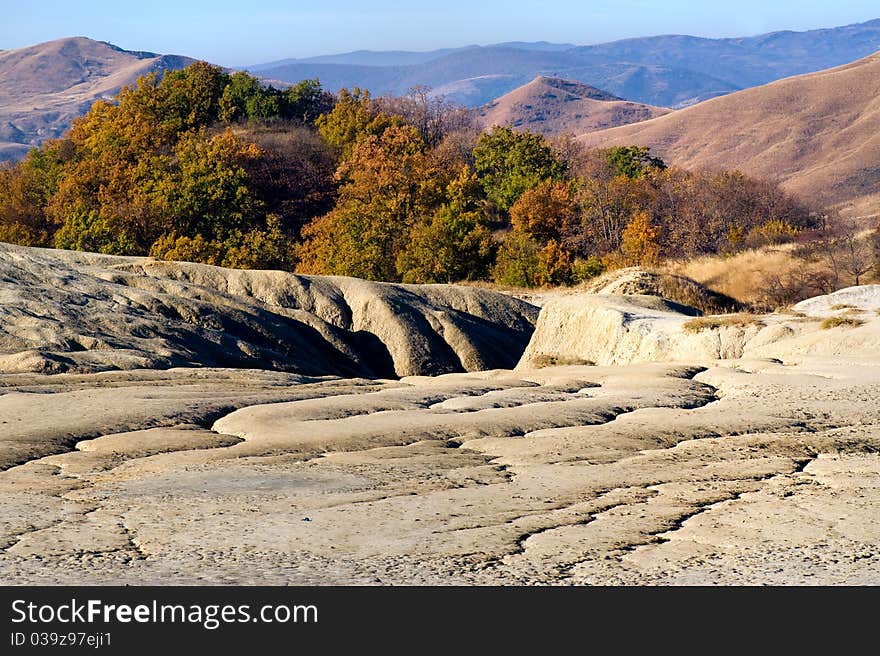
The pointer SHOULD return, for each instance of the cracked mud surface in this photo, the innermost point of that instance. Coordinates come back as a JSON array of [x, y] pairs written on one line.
[[746, 472]]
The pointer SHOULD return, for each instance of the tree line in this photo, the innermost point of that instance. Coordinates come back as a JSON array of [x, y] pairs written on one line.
[[211, 167]]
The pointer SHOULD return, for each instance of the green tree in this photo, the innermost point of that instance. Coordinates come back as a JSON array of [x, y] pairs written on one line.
[[517, 262], [510, 163], [456, 243], [307, 100], [233, 103], [633, 161]]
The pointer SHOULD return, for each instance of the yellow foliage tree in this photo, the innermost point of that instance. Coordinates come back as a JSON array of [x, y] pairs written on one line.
[[640, 245], [553, 265], [388, 184]]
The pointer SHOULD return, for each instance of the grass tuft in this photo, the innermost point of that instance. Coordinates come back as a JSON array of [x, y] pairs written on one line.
[[546, 360], [700, 324], [835, 322]]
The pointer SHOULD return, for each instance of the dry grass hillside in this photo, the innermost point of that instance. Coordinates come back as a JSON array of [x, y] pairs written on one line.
[[554, 106], [818, 134], [44, 87]]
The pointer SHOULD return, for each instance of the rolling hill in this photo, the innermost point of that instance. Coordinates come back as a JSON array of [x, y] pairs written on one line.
[[669, 70], [553, 106], [44, 87], [818, 134]]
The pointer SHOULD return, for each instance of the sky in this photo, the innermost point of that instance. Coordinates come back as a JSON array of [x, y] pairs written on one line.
[[244, 32]]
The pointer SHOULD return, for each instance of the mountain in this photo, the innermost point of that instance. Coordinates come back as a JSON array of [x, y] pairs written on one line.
[[44, 87], [669, 70], [818, 134], [553, 106]]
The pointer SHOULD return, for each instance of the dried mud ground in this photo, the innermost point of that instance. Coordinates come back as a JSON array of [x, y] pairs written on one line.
[[742, 472]]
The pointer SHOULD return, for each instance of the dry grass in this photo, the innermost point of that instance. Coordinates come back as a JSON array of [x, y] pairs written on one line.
[[671, 286], [742, 276], [700, 324], [790, 311], [546, 360], [842, 322]]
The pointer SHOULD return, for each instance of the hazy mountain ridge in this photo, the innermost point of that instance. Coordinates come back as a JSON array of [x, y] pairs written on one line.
[[666, 70]]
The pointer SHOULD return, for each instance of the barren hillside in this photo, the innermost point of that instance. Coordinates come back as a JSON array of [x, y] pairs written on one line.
[[44, 87], [818, 134], [554, 106]]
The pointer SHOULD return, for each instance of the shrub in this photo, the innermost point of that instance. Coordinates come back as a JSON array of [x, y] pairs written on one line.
[[583, 270]]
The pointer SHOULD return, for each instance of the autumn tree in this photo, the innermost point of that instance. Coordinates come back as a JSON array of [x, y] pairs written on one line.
[[605, 209], [354, 116], [640, 243], [553, 266], [386, 186], [25, 191], [546, 212]]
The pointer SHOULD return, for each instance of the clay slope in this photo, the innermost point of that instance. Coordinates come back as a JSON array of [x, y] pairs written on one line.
[[63, 311], [44, 87], [818, 134], [554, 106]]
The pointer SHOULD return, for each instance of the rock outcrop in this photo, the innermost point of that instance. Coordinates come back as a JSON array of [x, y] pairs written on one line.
[[619, 330]]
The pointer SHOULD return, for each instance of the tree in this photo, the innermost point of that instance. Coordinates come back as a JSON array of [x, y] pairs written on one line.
[[606, 207], [633, 161], [553, 265], [433, 116], [354, 116], [25, 191], [307, 100], [640, 244], [387, 185], [509, 163], [517, 261], [546, 212], [455, 244], [240, 90]]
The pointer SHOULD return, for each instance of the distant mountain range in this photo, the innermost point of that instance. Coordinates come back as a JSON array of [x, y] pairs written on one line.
[[818, 134], [667, 71], [44, 87], [552, 106]]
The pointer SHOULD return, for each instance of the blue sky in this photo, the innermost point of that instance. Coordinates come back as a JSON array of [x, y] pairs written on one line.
[[240, 32]]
